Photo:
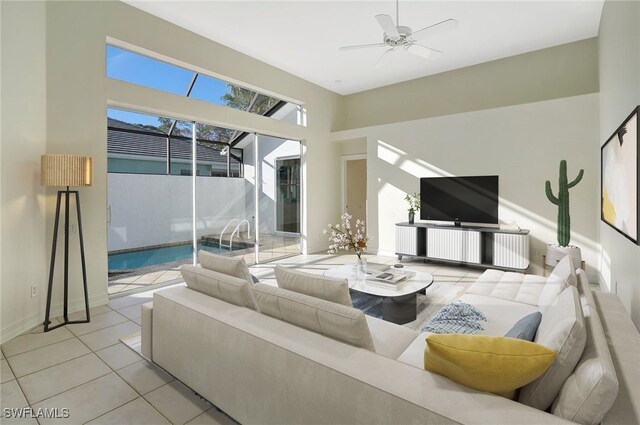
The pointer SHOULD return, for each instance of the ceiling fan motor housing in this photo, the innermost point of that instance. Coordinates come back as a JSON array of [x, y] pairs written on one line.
[[404, 32]]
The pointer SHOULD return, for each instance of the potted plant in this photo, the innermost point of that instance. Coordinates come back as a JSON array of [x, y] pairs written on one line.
[[556, 252], [414, 205]]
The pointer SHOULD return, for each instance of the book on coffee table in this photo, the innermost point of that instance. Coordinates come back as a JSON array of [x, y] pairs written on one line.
[[390, 280], [376, 267]]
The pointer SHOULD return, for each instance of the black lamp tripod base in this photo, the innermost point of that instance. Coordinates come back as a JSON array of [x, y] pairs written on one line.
[[66, 193]]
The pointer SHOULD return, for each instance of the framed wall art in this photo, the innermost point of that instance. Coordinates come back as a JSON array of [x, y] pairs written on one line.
[[619, 179]]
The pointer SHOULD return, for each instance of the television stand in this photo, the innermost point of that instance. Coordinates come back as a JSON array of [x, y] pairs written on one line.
[[473, 246]]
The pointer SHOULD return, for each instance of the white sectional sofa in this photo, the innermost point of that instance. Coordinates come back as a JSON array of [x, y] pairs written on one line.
[[271, 356]]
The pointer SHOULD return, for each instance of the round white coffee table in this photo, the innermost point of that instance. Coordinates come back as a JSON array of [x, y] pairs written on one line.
[[398, 306]]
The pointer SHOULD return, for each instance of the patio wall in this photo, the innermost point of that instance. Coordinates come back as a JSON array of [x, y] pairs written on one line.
[[156, 209]]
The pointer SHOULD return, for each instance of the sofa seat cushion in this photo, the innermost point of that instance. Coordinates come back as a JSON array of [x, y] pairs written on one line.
[[592, 388], [518, 287], [332, 320], [219, 285], [562, 329], [325, 288], [389, 339], [501, 314]]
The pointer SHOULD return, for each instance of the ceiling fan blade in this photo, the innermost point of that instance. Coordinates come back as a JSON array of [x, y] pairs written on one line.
[[435, 29], [362, 46], [423, 51], [389, 28], [386, 58]]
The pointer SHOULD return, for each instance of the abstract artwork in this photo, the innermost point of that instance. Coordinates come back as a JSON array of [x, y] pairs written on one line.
[[619, 184]]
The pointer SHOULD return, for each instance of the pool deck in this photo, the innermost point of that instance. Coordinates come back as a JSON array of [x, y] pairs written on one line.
[[272, 247]]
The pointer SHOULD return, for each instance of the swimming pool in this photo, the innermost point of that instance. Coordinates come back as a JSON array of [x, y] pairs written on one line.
[[165, 254]]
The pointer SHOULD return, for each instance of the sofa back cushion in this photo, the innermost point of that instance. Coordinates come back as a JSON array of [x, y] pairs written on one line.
[[565, 271], [592, 388], [222, 286], [333, 320], [562, 330], [228, 265], [562, 276], [326, 288]]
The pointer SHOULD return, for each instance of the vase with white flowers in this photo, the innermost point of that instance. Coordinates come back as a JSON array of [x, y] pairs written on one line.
[[345, 237]]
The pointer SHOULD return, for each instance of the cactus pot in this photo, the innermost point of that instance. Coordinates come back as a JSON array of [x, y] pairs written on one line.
[[555, 253]]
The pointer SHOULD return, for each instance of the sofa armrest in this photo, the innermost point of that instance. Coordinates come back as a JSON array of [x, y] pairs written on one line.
[[624, 344], [146, 333]]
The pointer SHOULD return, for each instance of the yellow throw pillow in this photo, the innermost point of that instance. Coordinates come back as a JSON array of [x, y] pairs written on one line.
[[488, 363]]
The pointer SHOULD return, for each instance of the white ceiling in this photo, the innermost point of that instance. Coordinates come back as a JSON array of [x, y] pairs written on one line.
[[303, 37]]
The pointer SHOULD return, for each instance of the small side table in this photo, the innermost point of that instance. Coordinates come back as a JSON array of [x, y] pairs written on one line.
[[583, 264]]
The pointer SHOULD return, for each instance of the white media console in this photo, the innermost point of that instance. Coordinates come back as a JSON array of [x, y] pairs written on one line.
[[473, 246]]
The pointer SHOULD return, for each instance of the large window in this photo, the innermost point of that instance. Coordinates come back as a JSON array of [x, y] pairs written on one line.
[[145, 71], [147, 144]]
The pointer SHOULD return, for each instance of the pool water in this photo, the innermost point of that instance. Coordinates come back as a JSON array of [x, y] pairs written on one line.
[[165, 254]]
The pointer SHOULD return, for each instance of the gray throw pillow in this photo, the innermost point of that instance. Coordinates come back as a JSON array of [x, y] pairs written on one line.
[[526, 327]]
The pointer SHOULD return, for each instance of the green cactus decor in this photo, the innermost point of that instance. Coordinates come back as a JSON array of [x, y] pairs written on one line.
[[562, 201]]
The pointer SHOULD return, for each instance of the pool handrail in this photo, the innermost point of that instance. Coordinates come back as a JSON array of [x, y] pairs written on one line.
[[225, 229], [237, 231]]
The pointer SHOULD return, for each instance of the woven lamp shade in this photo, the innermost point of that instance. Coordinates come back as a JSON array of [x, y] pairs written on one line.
[[66, 170]]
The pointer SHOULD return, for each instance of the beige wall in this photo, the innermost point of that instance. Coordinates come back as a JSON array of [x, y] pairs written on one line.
[[619, 46], [78, 94], [523, 144], [561, 71], [23, 136]]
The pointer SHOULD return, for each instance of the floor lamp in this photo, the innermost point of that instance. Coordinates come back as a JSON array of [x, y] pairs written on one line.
[[66, 171]]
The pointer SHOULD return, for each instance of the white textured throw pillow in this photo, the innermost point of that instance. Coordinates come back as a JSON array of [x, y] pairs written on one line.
[[562, 329], [227, 288], [228, 265], [325, 288]]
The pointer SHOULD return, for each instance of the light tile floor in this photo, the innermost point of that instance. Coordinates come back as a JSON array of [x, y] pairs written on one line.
[[86, 369]]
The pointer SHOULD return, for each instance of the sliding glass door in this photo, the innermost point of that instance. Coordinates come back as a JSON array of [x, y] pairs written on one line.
[[177, 187]]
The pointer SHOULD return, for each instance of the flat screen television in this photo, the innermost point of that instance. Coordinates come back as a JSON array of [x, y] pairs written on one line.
[[471, 199]]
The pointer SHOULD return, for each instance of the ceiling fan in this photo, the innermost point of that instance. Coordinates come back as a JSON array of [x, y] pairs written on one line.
[[400, 38]]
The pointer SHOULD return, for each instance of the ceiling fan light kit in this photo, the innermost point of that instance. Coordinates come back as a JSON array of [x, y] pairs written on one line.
[[399, 37]]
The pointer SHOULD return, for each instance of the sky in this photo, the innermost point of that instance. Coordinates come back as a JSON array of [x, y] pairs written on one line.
[[137, 69]]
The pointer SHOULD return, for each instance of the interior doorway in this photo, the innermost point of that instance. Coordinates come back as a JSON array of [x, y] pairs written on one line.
[[288, 195], [355, 186]]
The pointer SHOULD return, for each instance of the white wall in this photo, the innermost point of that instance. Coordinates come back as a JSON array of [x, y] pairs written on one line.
[[523, 144], [23, 137], [153, 209], [619, 47]]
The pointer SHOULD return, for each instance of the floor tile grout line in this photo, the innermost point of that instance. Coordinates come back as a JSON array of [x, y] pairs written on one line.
[[70, 388], [186, 386], [92, 380], [56, 364], [130, 386], [42, 346], [30, 332]]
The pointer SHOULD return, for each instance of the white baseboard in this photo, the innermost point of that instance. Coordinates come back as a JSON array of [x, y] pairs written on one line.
[[35, 319]]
